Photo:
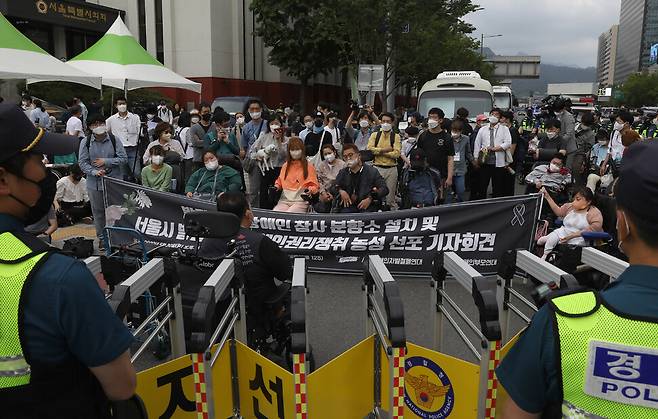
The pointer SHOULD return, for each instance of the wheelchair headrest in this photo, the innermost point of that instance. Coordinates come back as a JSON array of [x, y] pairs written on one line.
[[211, 224]]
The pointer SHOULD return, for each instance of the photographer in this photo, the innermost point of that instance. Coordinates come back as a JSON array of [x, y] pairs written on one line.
[[367, 120], [262, 259]]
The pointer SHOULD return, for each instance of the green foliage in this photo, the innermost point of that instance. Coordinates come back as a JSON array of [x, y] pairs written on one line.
[[640, 90]]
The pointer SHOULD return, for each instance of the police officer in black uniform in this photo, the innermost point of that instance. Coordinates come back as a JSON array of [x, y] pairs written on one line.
[[63, 352]]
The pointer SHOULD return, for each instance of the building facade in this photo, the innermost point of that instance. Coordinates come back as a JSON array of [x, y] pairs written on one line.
[[607, 57], [208, 41], [638, 32]]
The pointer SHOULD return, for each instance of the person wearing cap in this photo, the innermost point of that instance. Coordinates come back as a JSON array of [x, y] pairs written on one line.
[[421, 184], [63, 352], [614, 331], [318, 137]]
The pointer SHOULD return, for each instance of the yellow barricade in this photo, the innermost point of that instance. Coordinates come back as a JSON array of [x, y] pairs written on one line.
[[502, 396]]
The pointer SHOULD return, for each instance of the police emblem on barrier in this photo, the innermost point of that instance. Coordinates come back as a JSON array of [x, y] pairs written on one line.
[[428, 391]]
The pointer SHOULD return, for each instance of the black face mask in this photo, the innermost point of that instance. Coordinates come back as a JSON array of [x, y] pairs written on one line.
[[48, 187], [206, 117]]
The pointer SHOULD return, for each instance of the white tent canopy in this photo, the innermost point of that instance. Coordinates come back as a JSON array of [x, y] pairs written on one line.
[[122, 63], [21, 58]]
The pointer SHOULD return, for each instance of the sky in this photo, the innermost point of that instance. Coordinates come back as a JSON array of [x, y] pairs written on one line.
[[562, 32]]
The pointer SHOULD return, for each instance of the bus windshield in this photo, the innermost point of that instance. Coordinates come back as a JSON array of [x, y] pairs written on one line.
[[502, 101], [476, 101]]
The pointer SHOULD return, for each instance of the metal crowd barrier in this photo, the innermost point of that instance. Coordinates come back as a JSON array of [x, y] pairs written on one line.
[[549, 275], [603, 262], [135, 286], [483, 291], [93, 264], [386, 322]]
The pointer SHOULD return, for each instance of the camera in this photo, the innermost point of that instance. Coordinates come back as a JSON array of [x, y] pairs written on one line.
[[354, 106]]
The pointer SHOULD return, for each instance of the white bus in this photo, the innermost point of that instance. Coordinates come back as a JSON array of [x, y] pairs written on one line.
[[452, 90], [503, 98]]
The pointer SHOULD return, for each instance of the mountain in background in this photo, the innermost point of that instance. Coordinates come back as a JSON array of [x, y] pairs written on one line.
[[549, 73]]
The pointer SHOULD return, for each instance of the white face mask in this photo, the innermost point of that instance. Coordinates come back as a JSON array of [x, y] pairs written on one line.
[[99, 130], [386, 127], [619, 126], [554, 167], [432, 123], [165, 137], [493, 120], [364, 123], [603, 142], [274, 127], [411, 140], [456, 135], [195, 120], [150, 116], [122, 108], [296, 154], [212, 165], [351, 163], [308, 124], [240, 120], [551, 134], [157, 160], [254, 115], [330, 157]]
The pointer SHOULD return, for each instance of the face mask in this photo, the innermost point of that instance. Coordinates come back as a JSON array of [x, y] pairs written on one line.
[[411, 140], [603, 142], [240, 120], [296, 154], [48, 188], [554, 167], [318, 123], [99, 130], [166, 137], [212, 165], [330, 157], [308, 124], [317, 129], [551, 134], [386, 127], [122, 108], [206, 117], [432, 123], [364, 124], [493, 120], [254, 115], [619, 126], [150, 116], [195, 120], [351, 163], [157, 160], [456, 135], [274, 127]]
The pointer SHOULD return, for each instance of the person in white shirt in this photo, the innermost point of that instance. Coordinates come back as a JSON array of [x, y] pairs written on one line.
[[164, 113], [181, 134], [74, 123], [125, 126], [489, 156], [331, 126], [83, 107], [71, 198]]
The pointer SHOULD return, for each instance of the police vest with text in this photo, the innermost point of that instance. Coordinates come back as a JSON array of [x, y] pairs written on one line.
[[609, 360], [29, 389]]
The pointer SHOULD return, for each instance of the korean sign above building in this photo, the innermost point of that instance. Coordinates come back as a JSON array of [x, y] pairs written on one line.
[[80, 15]]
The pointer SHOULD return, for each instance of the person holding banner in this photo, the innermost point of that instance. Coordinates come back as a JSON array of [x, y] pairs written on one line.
[[213, 179], [296, 180], [588, 354]]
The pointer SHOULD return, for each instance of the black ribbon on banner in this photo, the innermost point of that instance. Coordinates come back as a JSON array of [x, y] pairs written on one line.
[[479, 231]]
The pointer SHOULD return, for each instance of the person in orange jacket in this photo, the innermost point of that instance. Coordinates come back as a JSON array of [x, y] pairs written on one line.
[[296, 180]]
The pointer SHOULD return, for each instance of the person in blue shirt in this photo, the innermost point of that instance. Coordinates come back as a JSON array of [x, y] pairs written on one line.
[[69, 352], [531, 372]]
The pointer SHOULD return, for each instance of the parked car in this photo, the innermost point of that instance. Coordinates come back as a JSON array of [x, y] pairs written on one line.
[[234, 104]]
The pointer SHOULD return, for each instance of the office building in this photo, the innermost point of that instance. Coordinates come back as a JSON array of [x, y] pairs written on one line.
[[607, 56], [638, 33]]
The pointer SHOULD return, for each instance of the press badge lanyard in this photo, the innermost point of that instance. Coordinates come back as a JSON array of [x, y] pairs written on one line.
[[214, 183]]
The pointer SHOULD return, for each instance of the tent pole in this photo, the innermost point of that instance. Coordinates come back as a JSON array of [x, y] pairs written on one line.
[[100, 90], [125, 88]]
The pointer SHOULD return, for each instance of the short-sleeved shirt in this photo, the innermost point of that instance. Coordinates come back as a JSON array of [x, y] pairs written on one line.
[[65, 313], [73, 126], [530, 373], [437, 146]]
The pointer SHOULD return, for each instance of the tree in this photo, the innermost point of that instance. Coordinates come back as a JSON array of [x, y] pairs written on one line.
[[296, 31], [640, 89]]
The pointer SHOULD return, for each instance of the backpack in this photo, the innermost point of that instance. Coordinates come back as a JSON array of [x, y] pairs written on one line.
[[379, 135], [112, 139], [422, 187]]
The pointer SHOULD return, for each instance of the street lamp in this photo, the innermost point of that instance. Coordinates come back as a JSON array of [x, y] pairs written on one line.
[[482, 42]]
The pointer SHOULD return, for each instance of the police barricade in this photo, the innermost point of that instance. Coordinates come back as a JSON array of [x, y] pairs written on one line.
[[93, 264], [603, 262], [299, 345], [483, 291], [550, 277], [128, 291]]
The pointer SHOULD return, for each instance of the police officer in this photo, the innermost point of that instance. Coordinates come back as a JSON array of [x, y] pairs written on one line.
[[590, 355], [63, 352], [262, 259]]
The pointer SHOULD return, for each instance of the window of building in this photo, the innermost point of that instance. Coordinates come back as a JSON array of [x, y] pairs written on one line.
[[39, 33], [159, 33], [141, 16], [79, 41]]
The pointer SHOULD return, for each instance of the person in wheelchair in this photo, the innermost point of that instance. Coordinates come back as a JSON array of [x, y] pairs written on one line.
[[553, 176], [297, 182], [580, 215], [550, 142], [262, 261], [358, 187], [599, 165], [421, 184]]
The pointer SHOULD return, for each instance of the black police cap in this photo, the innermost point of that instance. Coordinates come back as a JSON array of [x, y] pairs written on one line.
[[637, 188]]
